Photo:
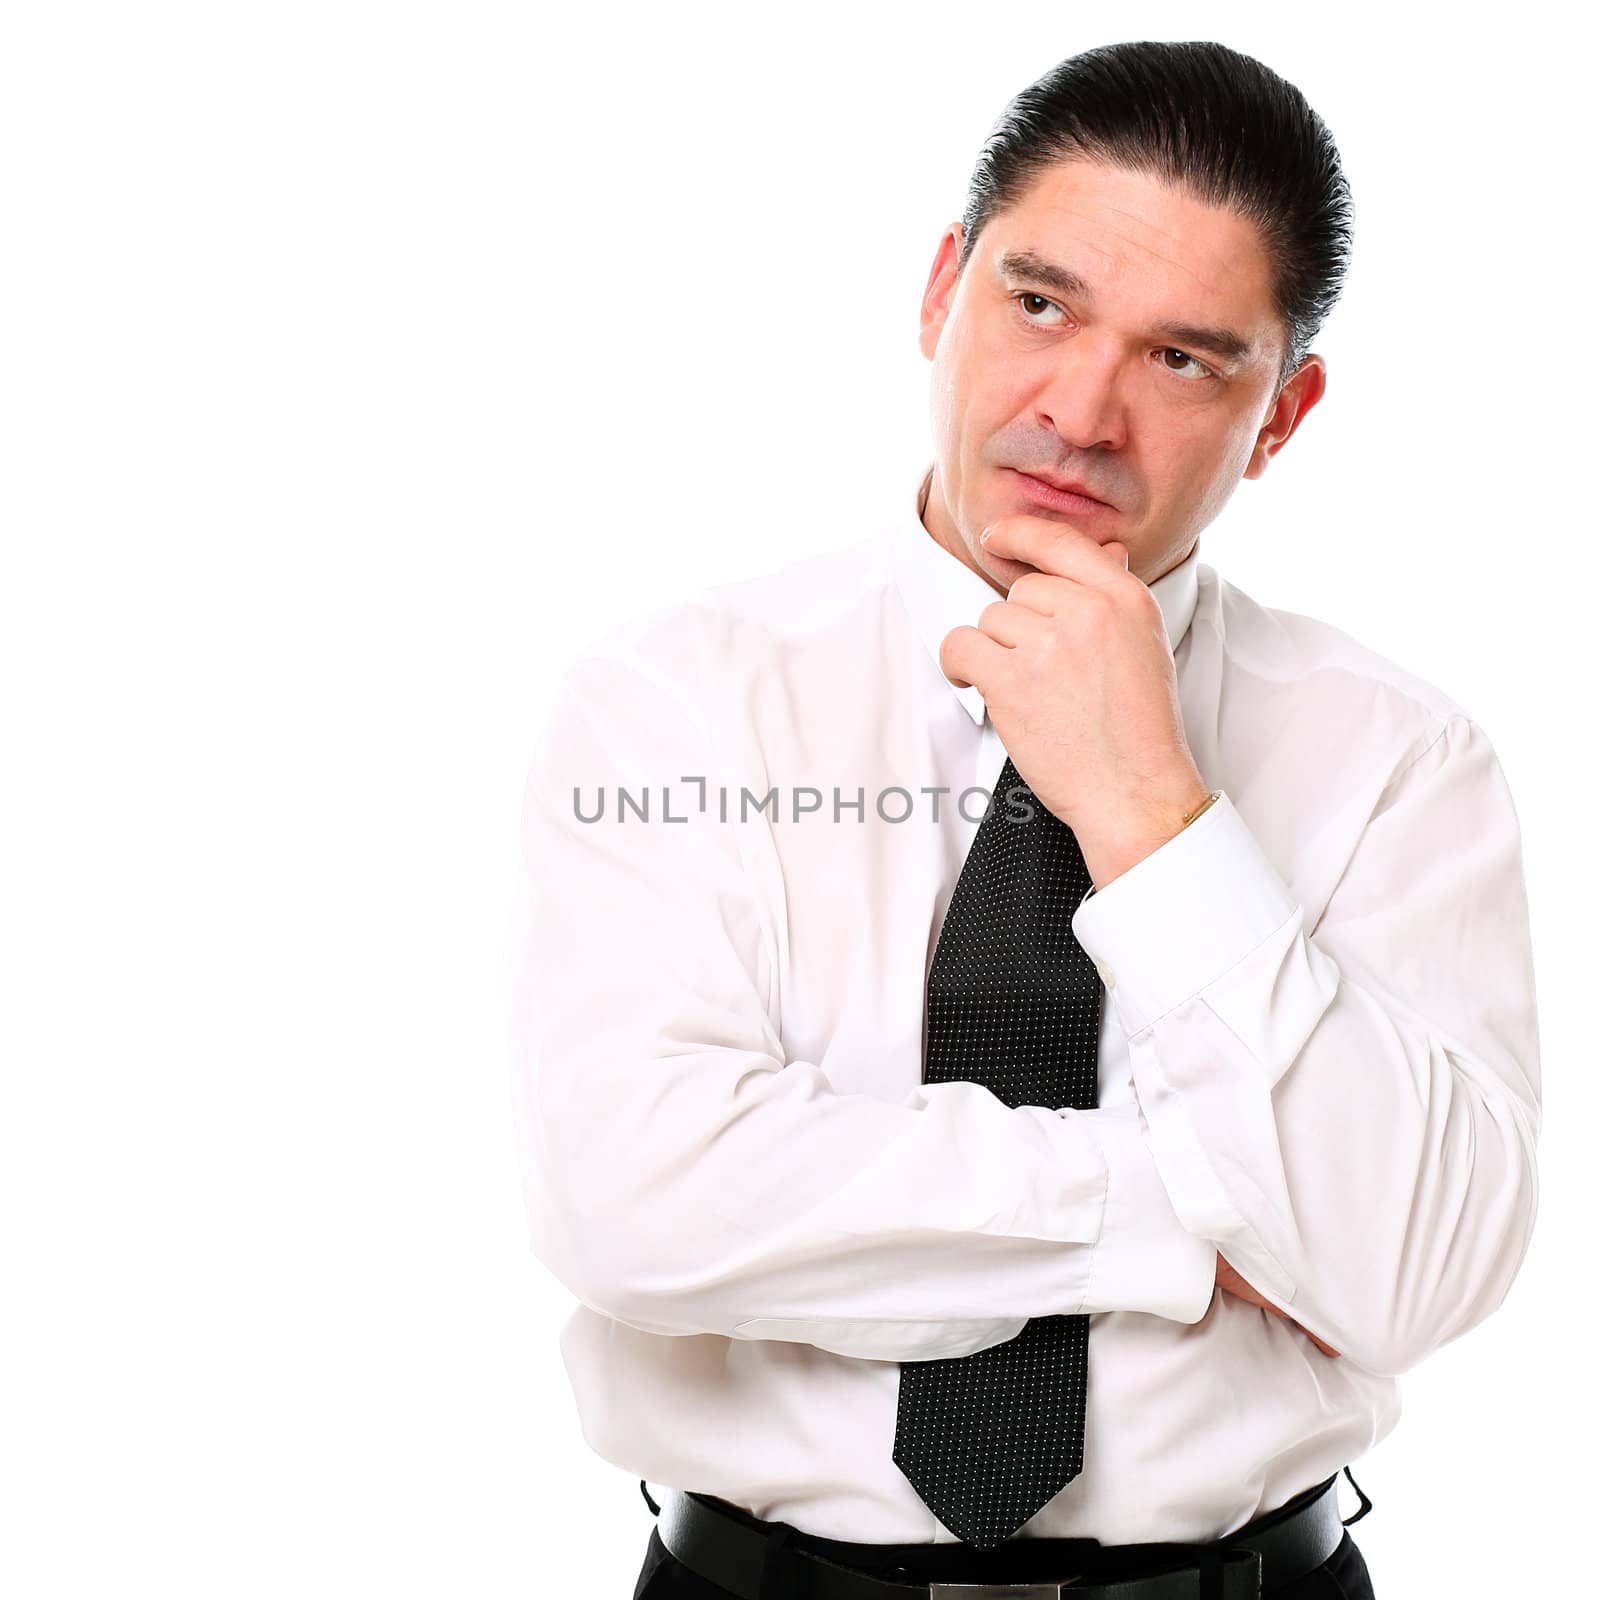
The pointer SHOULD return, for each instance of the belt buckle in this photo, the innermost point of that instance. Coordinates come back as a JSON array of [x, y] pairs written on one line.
[[1001, 1591]]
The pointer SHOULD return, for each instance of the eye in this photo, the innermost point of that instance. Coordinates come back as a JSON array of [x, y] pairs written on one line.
[[1019, 299], [1205, 371]]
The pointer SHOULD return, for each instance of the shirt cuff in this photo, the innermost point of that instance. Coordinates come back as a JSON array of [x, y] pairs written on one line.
[[1180, 918], [1145, 1260]]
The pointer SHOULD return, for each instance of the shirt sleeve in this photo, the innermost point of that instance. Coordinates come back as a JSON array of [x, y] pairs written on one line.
[[1351, 1110], [682, 1176]]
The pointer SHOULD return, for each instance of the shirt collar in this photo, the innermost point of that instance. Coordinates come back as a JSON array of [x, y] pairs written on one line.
[[941, 592]]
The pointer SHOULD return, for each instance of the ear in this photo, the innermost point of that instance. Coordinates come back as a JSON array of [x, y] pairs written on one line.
[[936, 298], [1300, 393]]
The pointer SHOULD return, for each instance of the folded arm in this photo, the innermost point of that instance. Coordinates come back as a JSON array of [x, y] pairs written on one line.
[[1350, 1111], [683, 1176]]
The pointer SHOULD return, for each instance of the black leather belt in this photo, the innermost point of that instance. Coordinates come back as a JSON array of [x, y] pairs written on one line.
[[727, 1546]]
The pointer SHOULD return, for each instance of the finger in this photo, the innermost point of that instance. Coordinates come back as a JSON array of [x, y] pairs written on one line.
[[1055, 547], [970, 657], [1042, 592], [1326, 1349], [1010, 624]]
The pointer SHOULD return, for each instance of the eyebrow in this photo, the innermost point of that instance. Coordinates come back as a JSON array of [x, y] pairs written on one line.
[[1027, 266]]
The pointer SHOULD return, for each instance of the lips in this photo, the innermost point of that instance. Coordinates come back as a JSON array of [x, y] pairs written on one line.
[[1048, 493], [1066, 485]]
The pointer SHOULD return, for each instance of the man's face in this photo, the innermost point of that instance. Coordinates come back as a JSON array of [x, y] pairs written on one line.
[[1112, 378]]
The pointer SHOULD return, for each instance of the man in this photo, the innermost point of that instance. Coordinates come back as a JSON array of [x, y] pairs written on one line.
[[1018, 1044]]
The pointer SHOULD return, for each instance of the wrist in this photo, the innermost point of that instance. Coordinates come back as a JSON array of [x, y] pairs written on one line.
[[1109, 852]]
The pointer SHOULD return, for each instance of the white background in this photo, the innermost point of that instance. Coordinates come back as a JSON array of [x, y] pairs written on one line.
[[358, 363]]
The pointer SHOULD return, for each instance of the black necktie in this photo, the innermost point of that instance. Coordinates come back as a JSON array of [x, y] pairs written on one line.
[[1013, 1003]]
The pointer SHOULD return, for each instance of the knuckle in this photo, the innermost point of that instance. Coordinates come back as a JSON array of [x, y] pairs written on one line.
[[1141, 595], [1026, 588], [1100, 608]]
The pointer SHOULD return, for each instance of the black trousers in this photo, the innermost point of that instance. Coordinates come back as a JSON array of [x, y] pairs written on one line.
[[1343, 1576]]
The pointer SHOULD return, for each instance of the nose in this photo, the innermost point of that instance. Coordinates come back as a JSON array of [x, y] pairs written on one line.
[[1081, 399]]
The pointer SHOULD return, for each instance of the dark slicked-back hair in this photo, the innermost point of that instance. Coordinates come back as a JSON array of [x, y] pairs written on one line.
[[1207, 120]]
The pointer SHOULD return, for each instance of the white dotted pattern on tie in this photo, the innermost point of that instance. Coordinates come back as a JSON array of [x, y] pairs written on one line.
[[1014, 1003]]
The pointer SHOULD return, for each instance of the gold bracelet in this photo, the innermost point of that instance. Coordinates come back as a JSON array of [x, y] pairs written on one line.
[[1215, 795]]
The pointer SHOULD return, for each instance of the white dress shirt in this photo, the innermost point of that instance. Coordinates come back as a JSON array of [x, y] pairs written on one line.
[[1318, 1055]]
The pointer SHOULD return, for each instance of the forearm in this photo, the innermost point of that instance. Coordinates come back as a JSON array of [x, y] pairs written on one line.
[[688, 1186]]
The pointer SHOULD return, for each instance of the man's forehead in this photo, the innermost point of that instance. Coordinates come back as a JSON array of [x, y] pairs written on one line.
[[1089, 217], [1145, 210]]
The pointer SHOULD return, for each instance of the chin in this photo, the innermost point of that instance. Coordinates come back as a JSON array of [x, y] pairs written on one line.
[[1005, 570]]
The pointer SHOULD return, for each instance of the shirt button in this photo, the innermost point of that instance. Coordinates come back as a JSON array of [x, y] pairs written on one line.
[[1107, 976]]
